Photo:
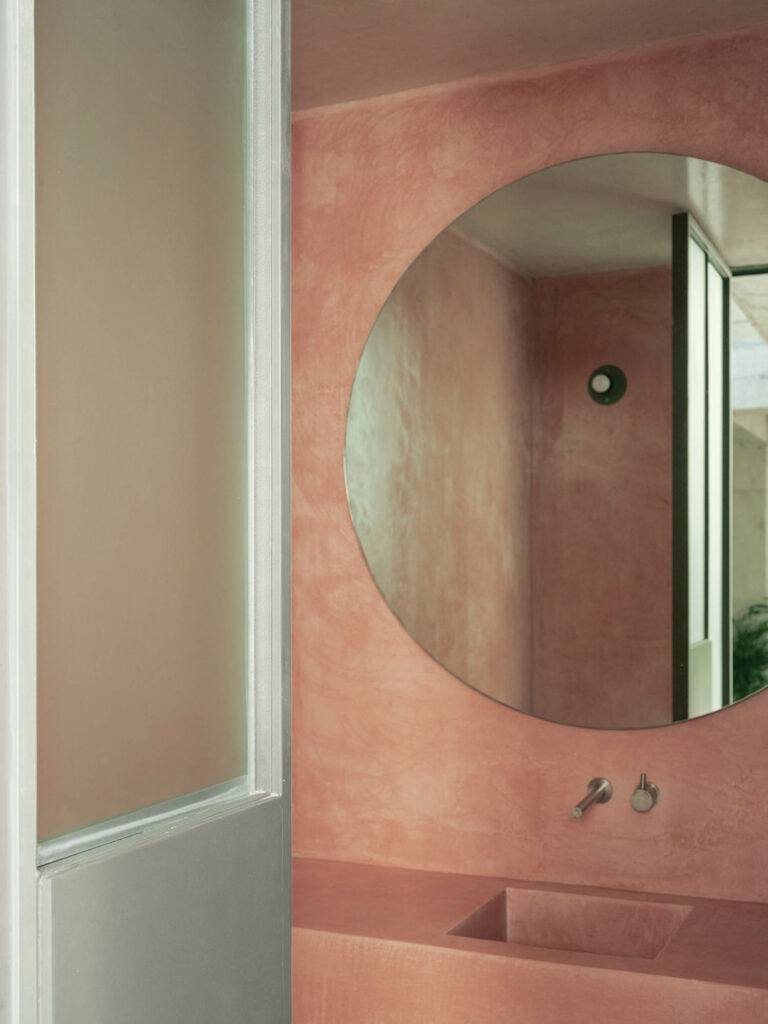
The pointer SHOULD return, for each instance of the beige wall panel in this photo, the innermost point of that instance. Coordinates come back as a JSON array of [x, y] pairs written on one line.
[[141, 434]]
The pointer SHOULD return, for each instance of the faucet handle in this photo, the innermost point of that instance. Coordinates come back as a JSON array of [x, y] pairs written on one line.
[[645, 796]]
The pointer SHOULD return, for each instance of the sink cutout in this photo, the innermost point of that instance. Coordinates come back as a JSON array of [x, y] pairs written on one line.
[[575, 922]]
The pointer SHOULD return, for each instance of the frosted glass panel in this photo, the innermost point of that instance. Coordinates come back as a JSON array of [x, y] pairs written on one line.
[[141, 403], [697, 442]]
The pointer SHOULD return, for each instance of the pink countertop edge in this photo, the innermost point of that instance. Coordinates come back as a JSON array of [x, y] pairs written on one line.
[[720, 941]]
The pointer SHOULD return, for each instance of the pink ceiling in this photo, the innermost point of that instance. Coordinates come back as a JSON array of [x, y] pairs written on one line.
[[349, 49]]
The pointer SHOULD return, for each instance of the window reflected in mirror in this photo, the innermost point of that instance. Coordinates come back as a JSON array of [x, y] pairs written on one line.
[[749, 398]]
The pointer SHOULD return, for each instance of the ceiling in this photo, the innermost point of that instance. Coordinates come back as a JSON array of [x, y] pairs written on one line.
[[614, 212], [351, 49]]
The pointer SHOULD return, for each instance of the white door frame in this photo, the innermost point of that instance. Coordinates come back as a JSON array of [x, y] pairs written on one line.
[[268, 302], [18, 821]]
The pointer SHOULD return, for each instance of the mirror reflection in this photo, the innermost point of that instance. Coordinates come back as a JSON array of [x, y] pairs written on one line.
[[557, 442]]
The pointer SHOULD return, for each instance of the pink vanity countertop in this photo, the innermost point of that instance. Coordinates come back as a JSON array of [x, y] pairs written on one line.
[[720, 942]]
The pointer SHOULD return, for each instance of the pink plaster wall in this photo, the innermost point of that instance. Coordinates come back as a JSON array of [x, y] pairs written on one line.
[[396, 761], [601, 529], [437, 461]]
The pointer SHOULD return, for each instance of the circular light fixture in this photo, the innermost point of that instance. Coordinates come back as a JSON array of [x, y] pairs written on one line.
[[607, 384]]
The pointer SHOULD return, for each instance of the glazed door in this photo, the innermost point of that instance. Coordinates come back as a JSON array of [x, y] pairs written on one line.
[[702, 448], [145, 531]]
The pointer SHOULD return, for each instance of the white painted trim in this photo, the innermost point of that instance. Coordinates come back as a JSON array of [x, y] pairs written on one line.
[[268, 316], [17, 516], [165, 813], [147, 838]]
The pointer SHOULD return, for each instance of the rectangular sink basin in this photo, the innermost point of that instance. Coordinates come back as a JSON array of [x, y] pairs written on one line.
[[576, 923]]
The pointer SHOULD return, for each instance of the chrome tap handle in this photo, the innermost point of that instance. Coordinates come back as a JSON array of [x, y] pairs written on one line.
[[599, 791], [645, 796]]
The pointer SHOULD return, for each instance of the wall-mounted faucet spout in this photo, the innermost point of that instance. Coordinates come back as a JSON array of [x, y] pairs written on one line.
[[599, 791]]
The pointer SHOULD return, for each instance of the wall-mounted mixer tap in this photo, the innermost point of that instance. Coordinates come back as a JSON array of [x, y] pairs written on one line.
[[599, 791]]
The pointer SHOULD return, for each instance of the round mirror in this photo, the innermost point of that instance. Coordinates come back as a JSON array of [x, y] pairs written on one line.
[[557, 442]]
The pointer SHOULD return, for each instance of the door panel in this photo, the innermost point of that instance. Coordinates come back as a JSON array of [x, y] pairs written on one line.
[[189, 920]]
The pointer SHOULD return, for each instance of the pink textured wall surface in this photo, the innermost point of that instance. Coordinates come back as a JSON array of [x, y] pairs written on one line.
[[438, 456], [396, 761], [601, 527]]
